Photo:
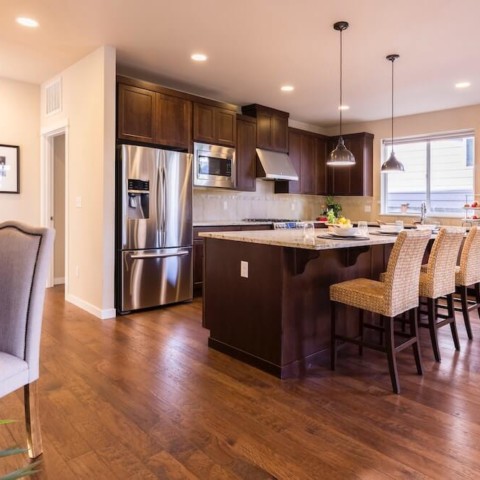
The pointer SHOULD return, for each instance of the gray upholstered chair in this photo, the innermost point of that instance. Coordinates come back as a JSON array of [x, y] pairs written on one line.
[[25, 254]]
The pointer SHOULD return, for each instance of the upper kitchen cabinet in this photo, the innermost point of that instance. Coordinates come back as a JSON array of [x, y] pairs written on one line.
[[245, 153], [355, 180], [152, 114], [321, 144], [136, 113], [272, 127], [174, 121], [214, 124], [307, 154]]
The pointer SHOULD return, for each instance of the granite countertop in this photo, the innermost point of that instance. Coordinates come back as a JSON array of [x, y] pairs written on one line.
[[227, 223], [294, 238]]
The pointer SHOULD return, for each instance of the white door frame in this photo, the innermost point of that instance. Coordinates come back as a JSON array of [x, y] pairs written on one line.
[[47, 188]]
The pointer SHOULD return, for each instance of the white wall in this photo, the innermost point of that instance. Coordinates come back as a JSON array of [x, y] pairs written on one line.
[[88, 89], [20, 125]]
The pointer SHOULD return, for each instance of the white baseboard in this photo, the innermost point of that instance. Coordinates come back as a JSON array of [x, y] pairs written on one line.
[[59, 280], [88, 307]]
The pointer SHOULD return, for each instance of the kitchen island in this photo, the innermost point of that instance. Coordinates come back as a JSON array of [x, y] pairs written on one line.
[[266, 293]]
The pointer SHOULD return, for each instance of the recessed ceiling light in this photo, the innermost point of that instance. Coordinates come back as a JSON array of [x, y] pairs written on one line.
[[287, 88], [199, 57], [27, 22], [344, 107], [462, 85]]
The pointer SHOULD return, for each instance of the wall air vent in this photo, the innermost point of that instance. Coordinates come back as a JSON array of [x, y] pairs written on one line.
[[53, 97]]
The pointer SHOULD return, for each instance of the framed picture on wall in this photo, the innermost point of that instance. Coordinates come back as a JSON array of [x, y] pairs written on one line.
[[9, 169]]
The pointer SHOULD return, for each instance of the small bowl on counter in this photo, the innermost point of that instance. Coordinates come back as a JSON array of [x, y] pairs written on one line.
[[343, 231]]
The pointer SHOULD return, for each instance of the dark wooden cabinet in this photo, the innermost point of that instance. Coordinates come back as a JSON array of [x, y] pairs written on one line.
[[306, 152], [321, 144], [295, 155], [136, 114], [358, 179], [214, 125], [151, 114], [272, 127], [246, 155], [174, 120], [308, 165], [198, 243], [197, 251]]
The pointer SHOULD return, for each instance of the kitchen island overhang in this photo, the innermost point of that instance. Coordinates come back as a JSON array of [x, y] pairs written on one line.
[[276, 316]]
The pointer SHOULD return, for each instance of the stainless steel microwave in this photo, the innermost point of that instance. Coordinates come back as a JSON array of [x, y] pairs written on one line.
[[214, 166]]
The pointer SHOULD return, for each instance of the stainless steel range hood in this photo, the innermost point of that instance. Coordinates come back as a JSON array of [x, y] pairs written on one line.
[[275, 166]]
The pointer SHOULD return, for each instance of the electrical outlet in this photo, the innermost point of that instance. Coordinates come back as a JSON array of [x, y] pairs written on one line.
[[78, 201], [292, 207], [367, 208], [225, 205], [244, 269]]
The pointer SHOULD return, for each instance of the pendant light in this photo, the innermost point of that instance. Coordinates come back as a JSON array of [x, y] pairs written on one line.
[[392, 165], [341, 156]]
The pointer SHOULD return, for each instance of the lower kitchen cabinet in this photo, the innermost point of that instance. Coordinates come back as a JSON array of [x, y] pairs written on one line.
[[198, 248]]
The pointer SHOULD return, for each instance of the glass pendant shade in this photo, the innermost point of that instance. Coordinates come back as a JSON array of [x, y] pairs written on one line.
[[392, 165], [341, 156]]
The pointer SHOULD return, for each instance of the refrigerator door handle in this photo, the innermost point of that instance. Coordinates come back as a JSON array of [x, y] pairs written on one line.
[[164, 205], [159, 226], [141, 256]]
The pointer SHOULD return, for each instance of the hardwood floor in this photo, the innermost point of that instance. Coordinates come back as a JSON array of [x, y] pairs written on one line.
[[143, 397]]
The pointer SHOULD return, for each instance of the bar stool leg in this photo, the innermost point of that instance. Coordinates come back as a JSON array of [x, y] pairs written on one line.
[[432, 328], [390, 350], [466, 316], [360, 330], [453, 324], [412, 315], [333, 340], [477, 297]]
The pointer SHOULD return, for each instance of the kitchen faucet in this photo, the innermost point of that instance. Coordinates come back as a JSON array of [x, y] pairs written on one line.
[[423, 212]]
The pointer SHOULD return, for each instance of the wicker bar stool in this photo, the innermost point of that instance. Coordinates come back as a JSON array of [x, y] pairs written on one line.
[[396, 294], [437, 279], [467, 274]]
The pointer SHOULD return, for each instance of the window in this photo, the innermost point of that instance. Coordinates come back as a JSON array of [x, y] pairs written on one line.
[[438, 171]]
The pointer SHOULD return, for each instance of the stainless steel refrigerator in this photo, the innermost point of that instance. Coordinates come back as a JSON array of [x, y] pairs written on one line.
[[154, 227]]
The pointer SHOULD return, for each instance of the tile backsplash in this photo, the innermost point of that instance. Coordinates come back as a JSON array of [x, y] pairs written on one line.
[[211, 204], [215, 204]]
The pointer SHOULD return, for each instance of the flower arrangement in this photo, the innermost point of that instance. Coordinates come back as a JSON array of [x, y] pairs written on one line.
[[22, 472], [331, 210]]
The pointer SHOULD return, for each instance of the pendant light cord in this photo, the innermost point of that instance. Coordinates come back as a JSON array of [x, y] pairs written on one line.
[[341, 79], [393, 61]]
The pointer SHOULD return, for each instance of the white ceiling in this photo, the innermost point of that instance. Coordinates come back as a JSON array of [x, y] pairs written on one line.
[[255, 46]]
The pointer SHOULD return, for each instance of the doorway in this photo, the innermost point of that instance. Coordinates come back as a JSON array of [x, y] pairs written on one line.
[[58, 161], [54, 195]]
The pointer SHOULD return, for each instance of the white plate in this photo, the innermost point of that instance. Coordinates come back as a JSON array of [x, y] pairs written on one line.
[[332, 236], [389, 231]]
